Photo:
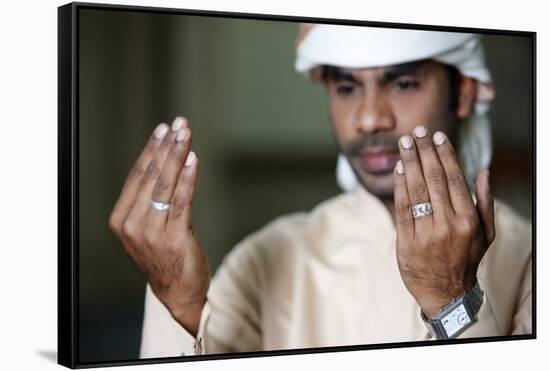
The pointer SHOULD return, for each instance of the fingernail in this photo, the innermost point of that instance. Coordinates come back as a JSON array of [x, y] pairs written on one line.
[[181, 135], [160, 131], [420, 131], [190, 159], [399, 167], [178, 123], [406, 142], [439, 138]]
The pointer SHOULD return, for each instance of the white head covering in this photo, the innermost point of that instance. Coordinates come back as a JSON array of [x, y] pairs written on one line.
[[365, 47]]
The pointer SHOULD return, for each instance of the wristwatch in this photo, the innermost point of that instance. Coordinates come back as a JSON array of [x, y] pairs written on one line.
[[456, 317]]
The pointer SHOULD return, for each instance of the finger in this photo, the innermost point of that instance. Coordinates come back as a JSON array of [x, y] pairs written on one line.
[[459, 192], [416, 186], [485, 205], [180, 211], [404, 222], [143, 200], [131, 184], [168, 178], [433, 172]]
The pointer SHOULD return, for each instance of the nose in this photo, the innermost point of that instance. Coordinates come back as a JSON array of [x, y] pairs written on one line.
[[374, 114]]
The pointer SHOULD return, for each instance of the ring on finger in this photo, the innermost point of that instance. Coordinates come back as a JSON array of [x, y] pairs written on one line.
[[421, 209], [161, 206]]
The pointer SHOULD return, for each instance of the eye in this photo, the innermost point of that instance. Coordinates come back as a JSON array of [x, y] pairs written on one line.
[[345, 90], [407, 84]]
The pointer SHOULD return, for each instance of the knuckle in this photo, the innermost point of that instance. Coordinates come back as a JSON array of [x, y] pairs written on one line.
[[446, 150], [136, 172], [443, 232], [457, 183], [152, 144], [151, 238], [409, 157], [161, 186], [425, 144], [152, 171], [187, 177], [467, 226], [179, 200], [418, 192], [129, 229], [455, 180], [114, 223], [179, 204], [175, 151], [436, 177]]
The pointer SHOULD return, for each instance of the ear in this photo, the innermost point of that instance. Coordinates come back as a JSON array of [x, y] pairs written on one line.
[[466, 97]]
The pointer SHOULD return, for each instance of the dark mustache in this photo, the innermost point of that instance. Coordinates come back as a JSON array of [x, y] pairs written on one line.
[[356, 146]]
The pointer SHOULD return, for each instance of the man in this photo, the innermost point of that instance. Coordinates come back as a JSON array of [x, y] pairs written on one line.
[[402, 256]]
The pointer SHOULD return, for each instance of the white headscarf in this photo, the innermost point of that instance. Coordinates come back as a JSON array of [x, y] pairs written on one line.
[[364, 47]]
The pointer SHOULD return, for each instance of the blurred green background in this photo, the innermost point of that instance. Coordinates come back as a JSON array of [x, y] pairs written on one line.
[[260, 130]]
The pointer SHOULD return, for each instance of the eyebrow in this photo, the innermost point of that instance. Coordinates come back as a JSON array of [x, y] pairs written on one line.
[[337, 74], [398, 70]]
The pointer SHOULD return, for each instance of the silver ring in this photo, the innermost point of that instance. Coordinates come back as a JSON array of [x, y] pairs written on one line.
[[423, 209], [161, 206]]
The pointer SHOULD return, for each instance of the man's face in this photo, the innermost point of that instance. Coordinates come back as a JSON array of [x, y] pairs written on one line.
[[372, 108]]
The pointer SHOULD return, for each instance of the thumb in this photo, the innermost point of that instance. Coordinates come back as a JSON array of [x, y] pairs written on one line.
[[485, 205]]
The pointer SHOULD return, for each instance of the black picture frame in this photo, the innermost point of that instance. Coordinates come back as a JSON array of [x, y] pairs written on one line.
[[68, 183]]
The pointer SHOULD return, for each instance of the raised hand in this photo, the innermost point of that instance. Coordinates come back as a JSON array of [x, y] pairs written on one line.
[[438, 254], [160, 240]]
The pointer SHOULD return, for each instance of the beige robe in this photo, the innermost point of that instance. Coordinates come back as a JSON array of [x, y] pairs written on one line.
[[329, 277]]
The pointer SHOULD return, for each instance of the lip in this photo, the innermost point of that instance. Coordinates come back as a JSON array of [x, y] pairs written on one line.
[[379, 161], [377, 150]]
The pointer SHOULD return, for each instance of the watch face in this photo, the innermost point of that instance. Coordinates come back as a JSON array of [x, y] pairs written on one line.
[[463, 318], [455, 320]]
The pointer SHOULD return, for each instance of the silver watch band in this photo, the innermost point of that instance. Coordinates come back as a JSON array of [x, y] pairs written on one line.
[[456, 317]]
